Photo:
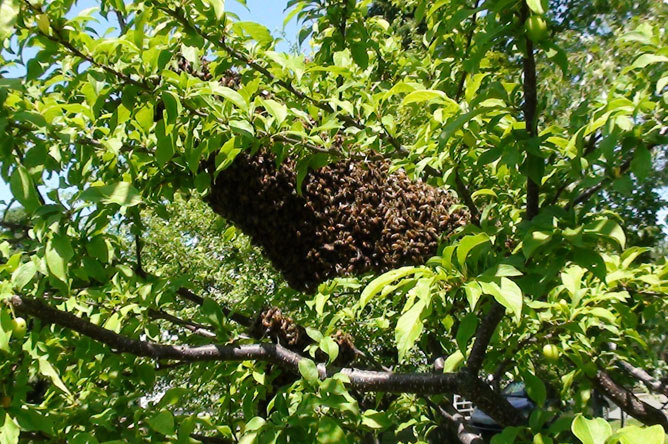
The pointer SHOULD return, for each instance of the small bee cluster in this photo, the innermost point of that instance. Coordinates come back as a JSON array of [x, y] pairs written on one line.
[[351, 217], [280, 328]]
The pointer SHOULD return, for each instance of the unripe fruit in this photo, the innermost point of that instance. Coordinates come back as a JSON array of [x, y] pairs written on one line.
[[536, 28], [19, 327], [551, 352], [469, 139]]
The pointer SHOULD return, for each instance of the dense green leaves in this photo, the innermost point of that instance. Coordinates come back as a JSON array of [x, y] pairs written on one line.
[[116, 121]]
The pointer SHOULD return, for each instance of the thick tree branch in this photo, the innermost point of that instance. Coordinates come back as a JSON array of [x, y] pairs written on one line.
[[457, 423], [628, 402], [463, 382], [483, 336]]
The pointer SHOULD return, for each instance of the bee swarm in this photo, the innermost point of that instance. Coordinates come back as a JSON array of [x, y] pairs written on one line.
[[352, 217]]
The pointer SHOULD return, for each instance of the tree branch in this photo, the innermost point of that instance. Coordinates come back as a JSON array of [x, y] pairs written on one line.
[[463, 382], [483, 336], [194, 327], [457, 423], [463, 191], [531, 120], [650, 382], [628, 402]]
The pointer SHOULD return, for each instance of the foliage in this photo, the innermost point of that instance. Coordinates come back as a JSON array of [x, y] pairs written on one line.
[[111, 140]]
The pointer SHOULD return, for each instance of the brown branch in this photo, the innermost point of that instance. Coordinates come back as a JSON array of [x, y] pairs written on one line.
[[457, 423], [628, 402], [530, 119], [464, 382], [483, 336], [650, 382], [463, 191]]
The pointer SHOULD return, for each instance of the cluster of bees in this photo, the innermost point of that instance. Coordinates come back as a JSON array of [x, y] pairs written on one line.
[[283, 330], [350, 218]]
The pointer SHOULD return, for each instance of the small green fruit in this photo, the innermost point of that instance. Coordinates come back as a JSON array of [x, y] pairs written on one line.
[[19, 327], [551, 353], [469, 139], [536, 28]]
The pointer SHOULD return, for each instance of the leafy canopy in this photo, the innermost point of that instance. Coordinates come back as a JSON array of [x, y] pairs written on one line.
[[108, 250]]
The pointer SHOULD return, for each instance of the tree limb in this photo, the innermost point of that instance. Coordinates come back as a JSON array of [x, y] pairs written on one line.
[[483, 336], [458, 424], [628, 402], [530, 119], [650, 382], [463, 382]]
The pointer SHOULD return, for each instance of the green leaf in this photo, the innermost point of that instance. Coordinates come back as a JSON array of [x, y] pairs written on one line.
[[218, 8], [58, 253], [6, 328], [9, 10], [639, 435], [376, 420], [537, 6], [466, 330], [172, 106], [360, 56], [256, 31], [608, 228], [165, 147], [277, 110], [309, 371], [232, 96], [591, 431], [535, 388], [330, 432], [467, 244], [422, 96], [507, 294], [330, 347], [408, 329], [473, 292], [381, 281], [9, 431], [591, 260], [46, 369], [23, 189], [453, 362], [23, 275], [121, 193], [162, 422], [641, 165], [648, 59], [534, 240]]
